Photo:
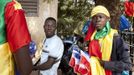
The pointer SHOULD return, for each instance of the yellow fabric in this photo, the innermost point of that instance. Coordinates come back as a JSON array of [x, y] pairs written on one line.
[[6, 60], [96, 68], [106, 45], [99, 9], [106, 49], [92, 37], [17, 5]]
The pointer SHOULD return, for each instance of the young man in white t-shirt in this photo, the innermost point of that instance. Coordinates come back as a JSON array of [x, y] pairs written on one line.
[[52, 49]]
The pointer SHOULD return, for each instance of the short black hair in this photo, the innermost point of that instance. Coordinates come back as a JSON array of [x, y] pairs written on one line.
[[50, 18]]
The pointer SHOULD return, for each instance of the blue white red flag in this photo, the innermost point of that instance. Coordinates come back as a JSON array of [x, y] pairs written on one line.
[[84, 64]]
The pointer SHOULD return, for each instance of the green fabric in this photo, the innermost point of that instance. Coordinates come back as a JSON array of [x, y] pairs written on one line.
[[2, 22], [102, 33]]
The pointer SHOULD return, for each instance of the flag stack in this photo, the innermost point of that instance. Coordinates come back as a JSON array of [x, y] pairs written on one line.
[[80, 61]]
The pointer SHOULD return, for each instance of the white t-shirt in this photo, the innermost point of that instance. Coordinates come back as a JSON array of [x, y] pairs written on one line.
[[52, 47]]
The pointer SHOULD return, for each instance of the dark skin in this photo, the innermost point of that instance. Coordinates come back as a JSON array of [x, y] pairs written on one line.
[[23, 60], [99, 20], [49, 29]]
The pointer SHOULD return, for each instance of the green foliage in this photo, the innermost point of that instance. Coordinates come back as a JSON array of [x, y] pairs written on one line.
[[70, 14]]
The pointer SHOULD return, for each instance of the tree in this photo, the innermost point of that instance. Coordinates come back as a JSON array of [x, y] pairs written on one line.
[[70, 14]]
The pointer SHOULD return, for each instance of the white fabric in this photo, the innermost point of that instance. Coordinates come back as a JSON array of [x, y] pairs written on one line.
[[52, 47]]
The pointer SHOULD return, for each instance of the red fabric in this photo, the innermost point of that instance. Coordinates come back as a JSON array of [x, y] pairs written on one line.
[[76, 67], [72, 62], [108, 72], [90, 31], [129, 8], [16, 27], [95, 49], [84, 65]]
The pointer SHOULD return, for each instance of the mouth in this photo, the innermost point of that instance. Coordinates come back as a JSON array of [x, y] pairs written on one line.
[[98, 25], [49, 32]]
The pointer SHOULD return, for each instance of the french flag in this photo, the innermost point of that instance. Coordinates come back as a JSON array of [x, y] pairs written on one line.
[[75, 59], [84, 65]]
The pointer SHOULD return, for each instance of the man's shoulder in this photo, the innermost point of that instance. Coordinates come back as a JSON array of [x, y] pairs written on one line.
[[117, 37], [57, 38], [54, 41]]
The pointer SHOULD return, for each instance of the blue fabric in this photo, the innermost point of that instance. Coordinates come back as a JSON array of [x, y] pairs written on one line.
[[16, 71], [125, 73], [124, 23], [85, 27], [32, 47], [77, 55]]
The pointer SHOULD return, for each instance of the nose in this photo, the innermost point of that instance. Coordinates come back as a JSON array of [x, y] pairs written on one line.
[[98, 19], [48, 27]]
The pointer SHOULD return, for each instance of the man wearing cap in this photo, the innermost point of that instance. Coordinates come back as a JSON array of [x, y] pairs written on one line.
[[109, 54]]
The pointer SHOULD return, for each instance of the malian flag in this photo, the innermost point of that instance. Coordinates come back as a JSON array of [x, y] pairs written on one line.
[[75, 59], [84, 65]]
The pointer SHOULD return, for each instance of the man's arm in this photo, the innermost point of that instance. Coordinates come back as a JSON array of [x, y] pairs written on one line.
[[46, 65], [123, 61], [23, 60]]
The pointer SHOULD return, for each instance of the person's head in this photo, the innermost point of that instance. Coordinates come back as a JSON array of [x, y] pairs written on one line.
[[100, 16], [49, 27]]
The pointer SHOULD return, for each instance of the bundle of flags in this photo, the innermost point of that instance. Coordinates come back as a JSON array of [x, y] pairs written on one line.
[[75, 59], [80, 61]]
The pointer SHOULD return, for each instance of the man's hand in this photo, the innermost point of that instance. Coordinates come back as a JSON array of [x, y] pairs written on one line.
[[101, 62]]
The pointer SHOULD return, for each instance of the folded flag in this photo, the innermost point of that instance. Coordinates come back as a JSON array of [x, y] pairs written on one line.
[[84, 65], [75, 59]]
